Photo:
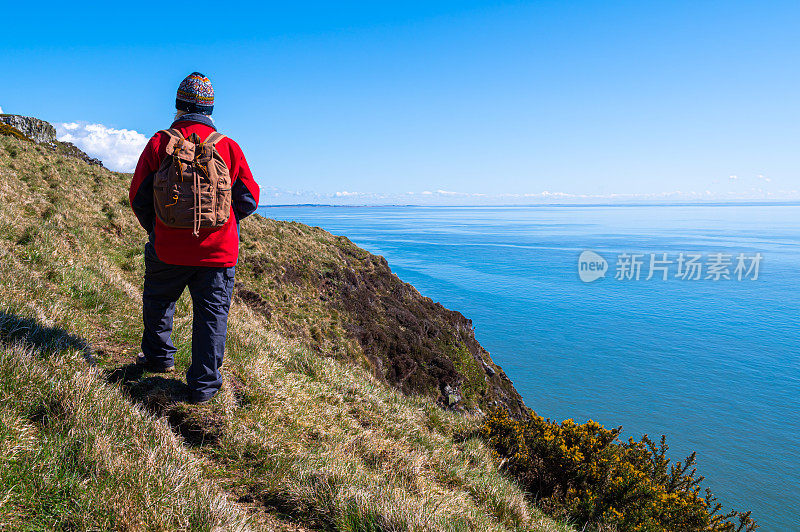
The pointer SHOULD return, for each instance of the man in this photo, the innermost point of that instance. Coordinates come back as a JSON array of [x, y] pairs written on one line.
[[201, 256]]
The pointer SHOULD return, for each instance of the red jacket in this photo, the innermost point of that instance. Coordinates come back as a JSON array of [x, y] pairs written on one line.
[[218, 247]]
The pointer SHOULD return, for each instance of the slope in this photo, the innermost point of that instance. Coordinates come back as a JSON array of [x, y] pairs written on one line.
[[297, 438]]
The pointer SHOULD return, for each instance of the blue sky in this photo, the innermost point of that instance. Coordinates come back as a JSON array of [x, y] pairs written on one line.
[[437, 102]]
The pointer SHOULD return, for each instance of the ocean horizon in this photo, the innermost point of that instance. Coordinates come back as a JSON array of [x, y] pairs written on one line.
[[711, 362], [719, 203]]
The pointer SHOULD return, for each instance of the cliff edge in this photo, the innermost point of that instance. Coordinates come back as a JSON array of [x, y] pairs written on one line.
[[328, 419]]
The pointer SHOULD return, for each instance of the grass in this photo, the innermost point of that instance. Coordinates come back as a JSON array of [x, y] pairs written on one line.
[[304, 434], [75, 454], [346, 303], [11, 131]]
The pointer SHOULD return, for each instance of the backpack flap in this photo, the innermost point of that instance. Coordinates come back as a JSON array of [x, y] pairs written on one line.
[[179, 147]]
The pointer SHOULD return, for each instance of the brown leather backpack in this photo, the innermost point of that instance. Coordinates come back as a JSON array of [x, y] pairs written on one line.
[[192, 188]]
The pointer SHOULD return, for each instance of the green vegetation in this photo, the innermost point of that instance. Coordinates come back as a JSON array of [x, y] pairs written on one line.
[[294, 441], [583, 472], [11, 131], [75, 454], [344, 302], [350, 402]]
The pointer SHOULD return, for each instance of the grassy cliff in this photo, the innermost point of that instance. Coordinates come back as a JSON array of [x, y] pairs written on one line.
[[344, 302], [331, 415]]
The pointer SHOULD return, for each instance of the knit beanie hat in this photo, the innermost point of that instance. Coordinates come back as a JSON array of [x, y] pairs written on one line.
[[195, 94]]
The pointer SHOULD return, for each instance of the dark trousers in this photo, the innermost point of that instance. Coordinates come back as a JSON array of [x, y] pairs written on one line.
[[211, 290]]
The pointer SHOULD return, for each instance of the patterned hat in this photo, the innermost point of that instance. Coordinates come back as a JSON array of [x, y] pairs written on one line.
[[195, 94]]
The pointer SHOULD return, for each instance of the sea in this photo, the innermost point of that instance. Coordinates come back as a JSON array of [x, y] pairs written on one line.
[[691, 328]]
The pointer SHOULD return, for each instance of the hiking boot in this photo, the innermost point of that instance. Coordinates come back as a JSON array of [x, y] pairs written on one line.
[[197, 399], [142, 362]]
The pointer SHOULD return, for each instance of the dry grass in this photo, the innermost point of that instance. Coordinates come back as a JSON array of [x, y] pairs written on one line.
[[329, 443], [293, 436], [344, 302], [75, 454]]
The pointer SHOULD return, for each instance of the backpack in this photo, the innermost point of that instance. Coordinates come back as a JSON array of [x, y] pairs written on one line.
[[192, 188]]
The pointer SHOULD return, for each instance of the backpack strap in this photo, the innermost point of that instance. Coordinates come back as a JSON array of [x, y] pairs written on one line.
[[172, 132], [213, 138]]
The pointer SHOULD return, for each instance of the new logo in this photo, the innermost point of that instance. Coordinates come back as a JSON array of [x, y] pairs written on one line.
[[591, 266]]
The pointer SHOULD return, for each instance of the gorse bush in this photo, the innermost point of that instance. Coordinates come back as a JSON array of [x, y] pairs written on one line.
[[585, 473], [11, 131]]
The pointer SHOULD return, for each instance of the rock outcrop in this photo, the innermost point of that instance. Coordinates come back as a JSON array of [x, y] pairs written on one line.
[[33, 128], [71, 150], [44, 133]]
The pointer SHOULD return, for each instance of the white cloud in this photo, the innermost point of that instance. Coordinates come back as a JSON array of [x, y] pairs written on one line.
[[278, 196], [1, 110], [450, 193], [119, 149]]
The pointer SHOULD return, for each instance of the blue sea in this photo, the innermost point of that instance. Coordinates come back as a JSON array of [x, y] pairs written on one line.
[[713, 364]]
